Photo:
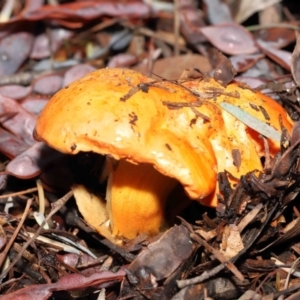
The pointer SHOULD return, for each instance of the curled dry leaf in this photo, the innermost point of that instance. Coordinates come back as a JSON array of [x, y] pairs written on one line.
[[124, 112]]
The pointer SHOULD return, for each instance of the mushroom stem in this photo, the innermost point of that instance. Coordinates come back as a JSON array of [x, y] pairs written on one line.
[[137, 199]]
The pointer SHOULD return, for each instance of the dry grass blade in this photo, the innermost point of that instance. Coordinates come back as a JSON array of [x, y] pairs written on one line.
[[252, 122]]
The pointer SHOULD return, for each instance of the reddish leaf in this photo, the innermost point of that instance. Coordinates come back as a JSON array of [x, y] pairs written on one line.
[[73, 14], [65, 283], [77, 72], [91, 9], [10, 145], [34, 105], [15, 91], [48, 84], [230, 38], [16, 119], [14, 50]]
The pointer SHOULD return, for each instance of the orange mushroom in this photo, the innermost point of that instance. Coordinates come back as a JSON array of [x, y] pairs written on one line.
[[160, 134]]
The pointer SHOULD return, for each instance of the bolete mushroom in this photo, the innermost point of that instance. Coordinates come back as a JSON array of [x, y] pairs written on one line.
[[159, 132]]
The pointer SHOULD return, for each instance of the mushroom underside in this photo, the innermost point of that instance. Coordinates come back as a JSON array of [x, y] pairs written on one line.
[[137, 199]]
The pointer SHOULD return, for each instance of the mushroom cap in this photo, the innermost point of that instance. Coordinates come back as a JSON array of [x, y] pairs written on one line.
[[129, 116], [105, 112]]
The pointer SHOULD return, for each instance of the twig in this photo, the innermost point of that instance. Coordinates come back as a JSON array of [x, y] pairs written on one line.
[[204, 276], [218, 255], [19, 193], [15, 234]]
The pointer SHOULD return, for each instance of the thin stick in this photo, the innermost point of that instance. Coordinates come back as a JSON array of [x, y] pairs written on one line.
[[19, 193], [15, 234]]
